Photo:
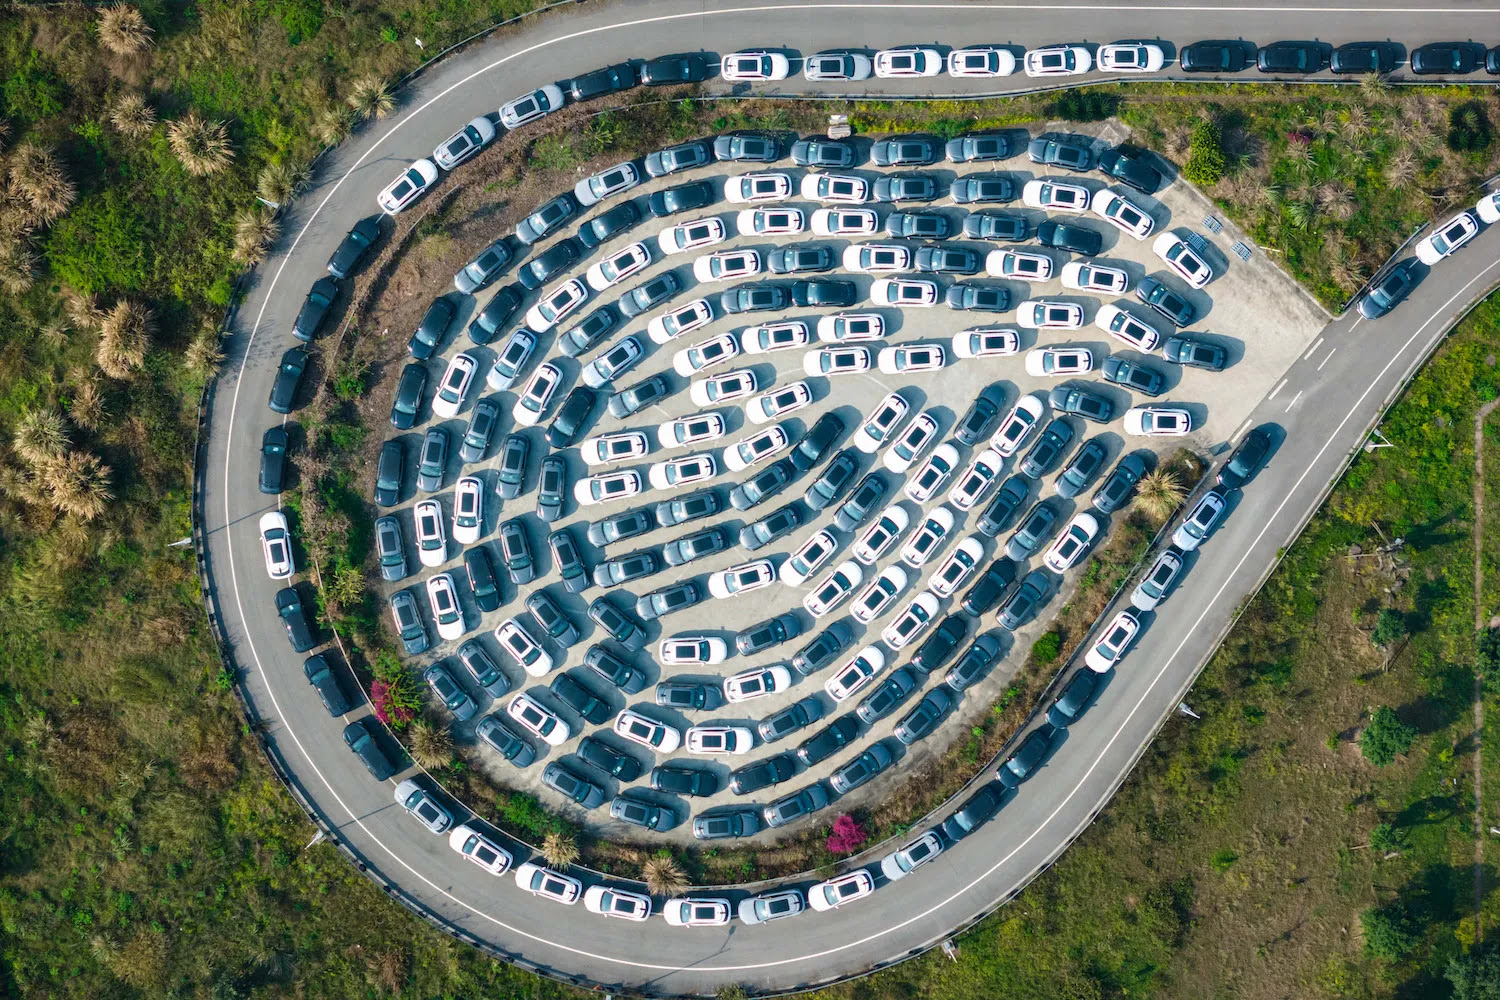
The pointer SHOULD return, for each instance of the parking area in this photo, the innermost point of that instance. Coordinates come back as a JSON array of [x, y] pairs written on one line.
[[1260, 318]]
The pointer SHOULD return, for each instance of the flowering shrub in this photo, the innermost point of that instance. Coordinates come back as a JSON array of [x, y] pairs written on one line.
[[847, 836]]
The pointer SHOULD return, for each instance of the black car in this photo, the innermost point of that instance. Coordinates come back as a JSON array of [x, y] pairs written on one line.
[[976, 422], [580, 699], [547, 219], [996, 226], [431, 331], [550, 618], [515, 551], [682, 198], [1195, 353], [1363, 57], [1029, 755], [503, 737], [829, 740], [1075, 696], [572, 417], [622, 569], [763, 635], [1048, 450], [1212, 57], [976, 810], [486, 324], [568, 560], [1068, 153], [668, 70], [1070, 236], [924, 718], [360, 737], [676, 779], [905, 151], [1387, 293], [1133, 375], [482, 581], [1002, 509], [273, 445], [1445, 58], [1024, 601], [689, 507], [613, 762], [294, 618], [822, 153], [390, 472], [763, 773], [432, 458], [700, 544], [476, 439], [1116, 488], [938, 646], [315, 308], [968, 296], [1244, 462], [1289, 58], [975, 662], [764, 485], [753, 148], [825, 292], [482, 668], [780, 522], [823, 649], [572, 786], [629, 679], [989, 588], [781, 724], [600, 82], [618, 527], [288, 377], [352, 249], [1130, 168], [554, 260], [551, 488], [484, 268], [514, 451], [688, 696], [607, 225], [1078, 401], [795, 259], [836, 478], [319, 671], [886, 696], [635, 398], [1165, 301], [664, 601], [864, 501], [1079, 472], [816, 442], [617, 625]]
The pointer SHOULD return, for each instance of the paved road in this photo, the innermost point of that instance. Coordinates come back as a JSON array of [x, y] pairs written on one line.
[[1324, 406]]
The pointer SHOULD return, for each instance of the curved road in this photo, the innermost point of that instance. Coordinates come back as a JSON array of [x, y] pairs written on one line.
[[1325, 406]]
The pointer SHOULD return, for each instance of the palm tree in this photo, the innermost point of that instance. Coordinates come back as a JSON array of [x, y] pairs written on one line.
[[41, 436], [123, 338], [333, 125], [279, 182], [663, 876], [1160, 493], [39, 181], [79, 484], [202, 146], [371, 98], [132, 116], [254, 232], [431, 746], [124, 31], [559, 850]]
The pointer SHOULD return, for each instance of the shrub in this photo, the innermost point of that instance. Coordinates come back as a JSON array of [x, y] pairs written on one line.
[[847, 836], [1389, 627], [1389, 932], [1092, 105], [1205, 163], [1385, 737], [1469, 128], [1047, 647]]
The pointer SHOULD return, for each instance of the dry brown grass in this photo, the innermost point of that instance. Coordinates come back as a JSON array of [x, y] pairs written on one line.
[[201, 146]]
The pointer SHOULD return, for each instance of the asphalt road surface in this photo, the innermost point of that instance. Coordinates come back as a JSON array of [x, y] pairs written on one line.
[[1323, 408]]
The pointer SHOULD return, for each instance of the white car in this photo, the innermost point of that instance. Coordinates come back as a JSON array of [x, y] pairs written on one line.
[[1133, 57], [1059, 362], [836, 66], [529, 107], [1488, 207], [723, 388], [877, 258], [753, 65], [685, 318], [479, 849], [676, 473], [829, 592], [620, 446], [522, 647], [637, 728], [770, 222], [608, 901], [912, 358], [449, 398], [928, 537], [1126, 328], [727, 265], [756, 448], [1095, 278], [975, 480], [756, 682], [1185, 261], [986, 342], [880, 536], [911, 61], [981, 61], [847, 328], [442, 601], [538, 720], [696, 429], [920, 433], [276, 545], [1119, 212], [1055, 196], [913, 620], [618, 266], [884, 419], [905, 292], [858, 671], [468, 510], [1074, 541], [548, 884], [958, 567], [835, 892], [1022, 265], [696, 912], [779, 402], [1446, 238], [680, 649], [1113, 641], [1048, 314], [607, 486], [770, 337], [693, 235], [537, 395], [720, 740], [556, 305], [408, 186], [1059, 60], [845, 222], [432, 542], [808, 558], [831, 361], [741, 579], [1158, 421], [1018, 424], [878, 595], [753, 189], [706, 354], [933, 474]]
